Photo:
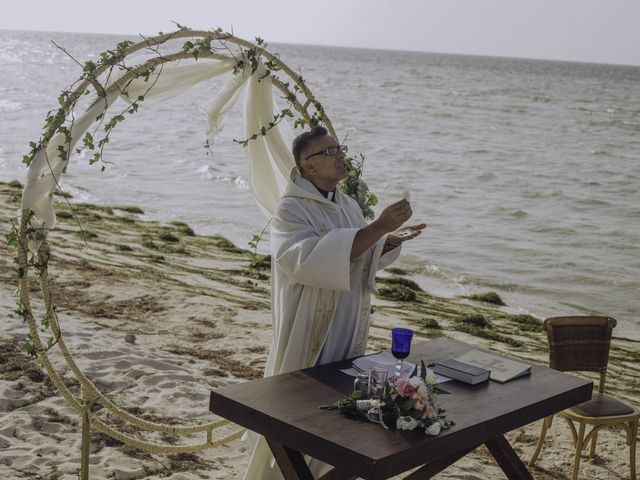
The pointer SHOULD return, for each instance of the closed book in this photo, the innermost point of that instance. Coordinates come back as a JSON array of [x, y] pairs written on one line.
[[464, 372]]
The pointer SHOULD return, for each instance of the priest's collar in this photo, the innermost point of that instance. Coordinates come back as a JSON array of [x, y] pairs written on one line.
[[329, 195]]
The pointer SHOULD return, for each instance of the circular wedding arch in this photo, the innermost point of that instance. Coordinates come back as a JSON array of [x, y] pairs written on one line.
[[104, 81]]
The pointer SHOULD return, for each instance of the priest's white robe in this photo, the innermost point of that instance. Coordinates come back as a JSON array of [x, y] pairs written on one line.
[[320, 298]]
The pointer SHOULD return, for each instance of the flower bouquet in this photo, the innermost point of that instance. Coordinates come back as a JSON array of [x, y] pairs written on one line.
[[408, 403]]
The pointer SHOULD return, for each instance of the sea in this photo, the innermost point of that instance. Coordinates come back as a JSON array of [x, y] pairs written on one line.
[[527, 172]]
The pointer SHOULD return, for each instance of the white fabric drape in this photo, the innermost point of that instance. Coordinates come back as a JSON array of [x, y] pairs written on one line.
[[47, 166], [169, 80], [269, 158]]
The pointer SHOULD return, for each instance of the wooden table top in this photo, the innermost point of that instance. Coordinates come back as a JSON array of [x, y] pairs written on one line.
[[286, 408]]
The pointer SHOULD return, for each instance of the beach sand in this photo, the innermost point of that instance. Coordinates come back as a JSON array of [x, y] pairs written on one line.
[[157, 317]]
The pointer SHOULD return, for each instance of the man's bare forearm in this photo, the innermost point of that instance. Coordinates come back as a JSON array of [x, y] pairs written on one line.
[[366, 237]]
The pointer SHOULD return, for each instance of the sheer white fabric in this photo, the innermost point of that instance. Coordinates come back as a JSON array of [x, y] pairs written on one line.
[[268, 157], [46, 168], [172, 79]]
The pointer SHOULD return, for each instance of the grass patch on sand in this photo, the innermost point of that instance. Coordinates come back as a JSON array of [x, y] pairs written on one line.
[[487, 297], [396, 271], [405, 282], [222, 359], [261, 262], [183, 228], [526, 323], [63, 214], [169, 237], [225, 244], [477, 325], [398, 292], [476, 320], [430, 323], [129, 209]]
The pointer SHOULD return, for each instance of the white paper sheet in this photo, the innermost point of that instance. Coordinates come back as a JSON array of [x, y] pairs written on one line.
[[386, 360]]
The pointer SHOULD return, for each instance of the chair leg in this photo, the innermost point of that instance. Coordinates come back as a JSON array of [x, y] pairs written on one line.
[[546, 423], [574, 433], [592, 450], [579, 445], [633, 434]]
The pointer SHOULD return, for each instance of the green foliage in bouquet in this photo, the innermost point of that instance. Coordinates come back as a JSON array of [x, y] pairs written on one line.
[[408, 403]]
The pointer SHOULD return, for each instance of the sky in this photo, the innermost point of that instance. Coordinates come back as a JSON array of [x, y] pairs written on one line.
[[600, 31]]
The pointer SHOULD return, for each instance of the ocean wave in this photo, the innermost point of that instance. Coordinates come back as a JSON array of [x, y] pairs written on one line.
[[618, 122], [518, 214], [9, 105], [515, 109], [540, 98], [554, 229], [486, 176], [9, 57], [480, 151]]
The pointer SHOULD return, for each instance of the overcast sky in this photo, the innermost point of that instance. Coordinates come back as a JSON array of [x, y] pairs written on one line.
[[603, 31]]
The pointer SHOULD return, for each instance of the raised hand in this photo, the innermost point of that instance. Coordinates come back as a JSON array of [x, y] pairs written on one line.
[[394, 216]]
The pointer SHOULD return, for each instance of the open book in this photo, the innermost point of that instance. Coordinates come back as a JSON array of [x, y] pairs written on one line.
[[502, 369], [387, 361]]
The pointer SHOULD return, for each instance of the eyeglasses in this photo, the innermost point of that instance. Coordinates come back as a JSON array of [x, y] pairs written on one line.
[[330, 151]]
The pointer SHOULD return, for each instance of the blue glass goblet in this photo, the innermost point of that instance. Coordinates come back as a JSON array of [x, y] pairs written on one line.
[[400, 346]]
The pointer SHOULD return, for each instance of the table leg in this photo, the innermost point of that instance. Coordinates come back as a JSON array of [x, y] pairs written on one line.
[[293, 466], [337, 474], [508, 459], [433, 468], [290, 461]]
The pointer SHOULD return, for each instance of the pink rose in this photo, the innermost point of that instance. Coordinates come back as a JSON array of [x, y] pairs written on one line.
[[424, 403], [404, 387]]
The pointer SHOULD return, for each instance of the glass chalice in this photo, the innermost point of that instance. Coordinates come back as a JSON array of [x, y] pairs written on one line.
[[400, 346]]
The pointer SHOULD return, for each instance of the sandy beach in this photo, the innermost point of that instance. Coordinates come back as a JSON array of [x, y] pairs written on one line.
[[157, 316]]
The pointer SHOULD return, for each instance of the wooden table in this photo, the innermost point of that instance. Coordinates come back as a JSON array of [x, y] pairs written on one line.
[[284, 409]]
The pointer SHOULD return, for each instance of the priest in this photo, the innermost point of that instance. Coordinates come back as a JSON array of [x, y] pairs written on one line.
[[324, 260]]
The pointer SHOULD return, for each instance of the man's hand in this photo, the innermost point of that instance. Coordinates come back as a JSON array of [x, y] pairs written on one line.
[[389, 220], [399, 236], [394, 216]]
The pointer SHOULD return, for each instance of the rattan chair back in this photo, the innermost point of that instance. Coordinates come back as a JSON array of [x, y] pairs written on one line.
[[582, 344], [579, 343]]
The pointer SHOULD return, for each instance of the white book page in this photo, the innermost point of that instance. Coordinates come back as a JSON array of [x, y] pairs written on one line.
[[386, 360], [502, 369]]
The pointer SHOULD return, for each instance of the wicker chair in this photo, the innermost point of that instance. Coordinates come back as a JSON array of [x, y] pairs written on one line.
[[581, 343]]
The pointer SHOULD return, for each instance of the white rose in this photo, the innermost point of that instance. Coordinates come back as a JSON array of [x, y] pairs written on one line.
[[416, 381], [407, 423], [434, 429], [431, 379]]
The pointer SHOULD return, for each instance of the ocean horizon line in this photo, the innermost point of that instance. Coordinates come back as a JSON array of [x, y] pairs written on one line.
[[356, 47]]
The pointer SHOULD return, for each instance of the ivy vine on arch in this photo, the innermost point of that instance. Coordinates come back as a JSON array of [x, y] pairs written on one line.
[[67, 132]]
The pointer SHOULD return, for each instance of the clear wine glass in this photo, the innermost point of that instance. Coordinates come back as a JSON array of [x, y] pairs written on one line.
[[400, 346]]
